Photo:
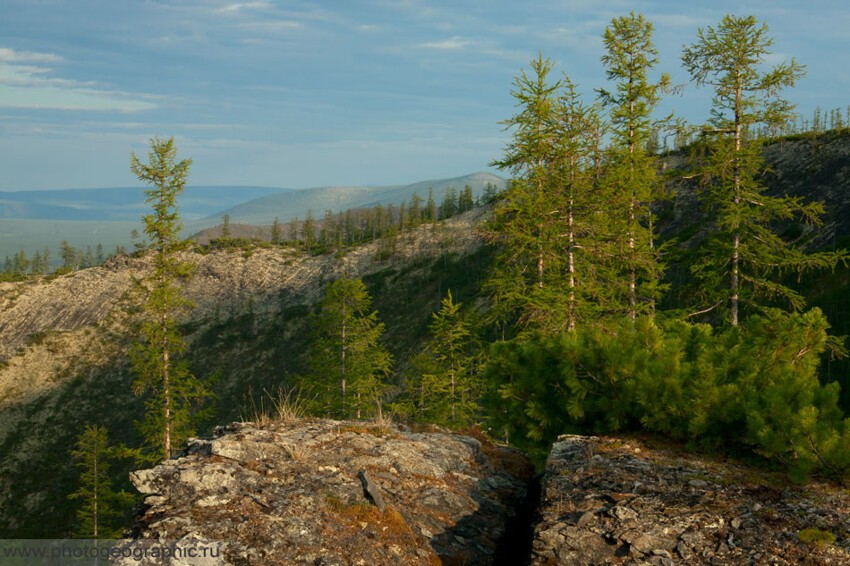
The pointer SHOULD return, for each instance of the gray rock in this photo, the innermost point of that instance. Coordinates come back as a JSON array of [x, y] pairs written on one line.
[[340, 499], [654, 514]]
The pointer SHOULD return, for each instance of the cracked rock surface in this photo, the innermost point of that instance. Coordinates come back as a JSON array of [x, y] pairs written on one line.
[[331, 492], [614, 501]]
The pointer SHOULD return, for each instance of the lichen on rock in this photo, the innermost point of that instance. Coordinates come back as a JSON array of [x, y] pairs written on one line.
[[295, 494], [615, 501]]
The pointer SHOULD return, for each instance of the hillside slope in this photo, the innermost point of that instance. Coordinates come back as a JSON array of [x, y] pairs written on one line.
[[64, 341]]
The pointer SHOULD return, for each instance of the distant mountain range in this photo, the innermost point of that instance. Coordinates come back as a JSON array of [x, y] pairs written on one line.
[[120, 204], [32, 220], [289, 205]]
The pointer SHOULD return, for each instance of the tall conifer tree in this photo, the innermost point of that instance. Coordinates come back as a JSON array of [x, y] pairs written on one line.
[[174, 392], [581, 210], [525, 248], [743, 260], [631, 173]]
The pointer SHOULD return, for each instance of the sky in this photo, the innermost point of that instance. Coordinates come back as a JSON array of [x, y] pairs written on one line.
[[305, 93]]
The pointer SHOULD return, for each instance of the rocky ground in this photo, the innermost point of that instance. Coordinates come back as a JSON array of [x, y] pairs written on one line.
[[330, 492], [609, 501]]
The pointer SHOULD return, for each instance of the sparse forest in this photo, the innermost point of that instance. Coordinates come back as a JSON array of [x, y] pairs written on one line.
[[623, 285]]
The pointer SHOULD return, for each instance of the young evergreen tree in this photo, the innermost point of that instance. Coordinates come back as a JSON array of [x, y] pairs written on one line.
[[293, 233], [101, 503], [69, 255], [449, 391], [348, 364], [21, 263], [466, 200], [175, 394], [631, 172], [414, 211], [448, 207], [88, 258], [45, 260], [275, 234], [36, 267], [430, 211], [743, 259], [225, 226], [308, 231]]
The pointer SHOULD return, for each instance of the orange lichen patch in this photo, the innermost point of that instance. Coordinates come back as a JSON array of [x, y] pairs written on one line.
[[387, 525], [501, 457]]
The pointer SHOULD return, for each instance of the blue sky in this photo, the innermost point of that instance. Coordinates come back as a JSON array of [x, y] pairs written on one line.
[[311, 93]]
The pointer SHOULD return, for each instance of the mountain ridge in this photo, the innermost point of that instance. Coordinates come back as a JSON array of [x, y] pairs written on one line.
[[296, 204]]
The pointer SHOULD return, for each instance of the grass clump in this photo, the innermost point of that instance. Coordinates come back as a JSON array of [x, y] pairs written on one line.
[[816, 537]]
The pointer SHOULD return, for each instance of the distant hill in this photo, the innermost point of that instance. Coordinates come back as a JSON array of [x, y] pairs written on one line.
[[33, 220], [120, 204], [295, 204]]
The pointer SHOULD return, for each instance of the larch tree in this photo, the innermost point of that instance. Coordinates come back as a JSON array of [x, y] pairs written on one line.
[[174, 393], [449, 391], [526, 244], [580, 209], [631, 171], [101, 503], [225, 227], [744, 259], [348, 364], [275, 234]]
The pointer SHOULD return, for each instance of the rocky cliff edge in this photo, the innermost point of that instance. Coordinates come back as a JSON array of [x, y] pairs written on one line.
[[335, 493]]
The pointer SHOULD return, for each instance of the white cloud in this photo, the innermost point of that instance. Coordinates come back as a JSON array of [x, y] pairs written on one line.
[[12, 56], [241, 6], [447, 44], [274, 26], [30, 86]]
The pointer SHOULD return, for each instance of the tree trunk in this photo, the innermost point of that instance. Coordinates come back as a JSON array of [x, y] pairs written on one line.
[[736, 236], [166, 392], [95, 494], [342, 359]]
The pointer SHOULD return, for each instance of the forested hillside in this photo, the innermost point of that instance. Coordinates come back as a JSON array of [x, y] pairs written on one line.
[[614, 286]]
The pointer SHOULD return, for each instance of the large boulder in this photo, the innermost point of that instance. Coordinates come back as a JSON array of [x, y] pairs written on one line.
[[331, 492]]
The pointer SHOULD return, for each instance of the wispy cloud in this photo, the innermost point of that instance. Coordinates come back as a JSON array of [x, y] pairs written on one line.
[[238, 7], [11, 56], [31, 86], [273, 26], [453, 43]]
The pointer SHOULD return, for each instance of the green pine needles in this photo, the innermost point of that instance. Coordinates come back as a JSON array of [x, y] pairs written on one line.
[[174, 395], [348, 364], [580, 270], [102, 507], [444, 384], [743, 261]]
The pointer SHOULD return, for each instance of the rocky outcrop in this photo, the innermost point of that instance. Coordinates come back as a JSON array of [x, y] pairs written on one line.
[[331, 492], [609, 501]]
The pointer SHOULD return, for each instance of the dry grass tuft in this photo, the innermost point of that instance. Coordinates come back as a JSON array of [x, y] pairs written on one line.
[[298, 452], [280, 406]]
